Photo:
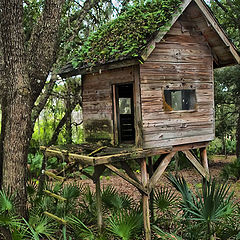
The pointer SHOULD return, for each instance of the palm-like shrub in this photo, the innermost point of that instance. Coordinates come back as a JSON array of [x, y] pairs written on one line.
[[112, 200], [125, 225], [207, 208], [10, 223], [164, 199]]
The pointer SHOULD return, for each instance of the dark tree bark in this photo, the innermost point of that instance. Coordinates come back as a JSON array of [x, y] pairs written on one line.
[[238, 136], [17, 102]]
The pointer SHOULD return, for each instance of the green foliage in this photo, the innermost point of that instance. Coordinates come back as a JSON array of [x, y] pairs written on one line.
[[35, 164], [164, 199], [127, 35], [232, 170], [80, 229], [217, 147], [227, 18], [206, 209], [125, 225], [114, 201], [164, 235]]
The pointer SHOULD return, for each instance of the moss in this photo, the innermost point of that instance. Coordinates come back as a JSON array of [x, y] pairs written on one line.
[[98, 131], [128, 35]]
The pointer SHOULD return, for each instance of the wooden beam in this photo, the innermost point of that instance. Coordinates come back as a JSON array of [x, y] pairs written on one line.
[[190, 146], [115, 115], [98, 171], [159, 160], [160, 170], [145, 201], [69, 72], [137, 107], [135, 154], [150, 172], [196, 164], [125, 166], [204, 158], [82, 159], [127, 178]]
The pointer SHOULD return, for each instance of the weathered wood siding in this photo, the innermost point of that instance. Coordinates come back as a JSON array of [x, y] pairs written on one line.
[[97, 102], [182, 60]]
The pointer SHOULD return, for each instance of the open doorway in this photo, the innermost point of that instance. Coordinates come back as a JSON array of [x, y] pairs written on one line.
[[124, 113]]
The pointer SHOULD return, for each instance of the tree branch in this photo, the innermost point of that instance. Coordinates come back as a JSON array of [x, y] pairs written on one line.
[[43, 99], [43, 45]]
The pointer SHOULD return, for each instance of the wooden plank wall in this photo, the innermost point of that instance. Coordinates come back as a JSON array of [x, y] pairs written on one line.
[[97, 96], [182, 60]]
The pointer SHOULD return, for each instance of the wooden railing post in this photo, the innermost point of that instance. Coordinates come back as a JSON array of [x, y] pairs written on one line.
[[98, 198], [145, 200], [150, 170]]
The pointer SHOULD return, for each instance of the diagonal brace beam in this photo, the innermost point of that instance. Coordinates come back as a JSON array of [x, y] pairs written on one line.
[[127, 178], [196, 164], [160, 170]]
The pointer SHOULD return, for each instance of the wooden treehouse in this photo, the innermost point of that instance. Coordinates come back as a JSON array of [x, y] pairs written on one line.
[[155, 98]]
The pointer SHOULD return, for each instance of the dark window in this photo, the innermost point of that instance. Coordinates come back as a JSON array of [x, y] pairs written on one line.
[[176, 100]]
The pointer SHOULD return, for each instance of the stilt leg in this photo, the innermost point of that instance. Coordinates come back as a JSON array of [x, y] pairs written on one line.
[[150, 170], [98, 202], [145, 200], [204, 160]]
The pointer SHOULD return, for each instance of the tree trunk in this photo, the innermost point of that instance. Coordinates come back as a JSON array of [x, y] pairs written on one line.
[[238, 136], [16, 108], [4, 115]]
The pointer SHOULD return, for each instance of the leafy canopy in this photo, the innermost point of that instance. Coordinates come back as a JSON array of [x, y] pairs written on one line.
[[127, 35]]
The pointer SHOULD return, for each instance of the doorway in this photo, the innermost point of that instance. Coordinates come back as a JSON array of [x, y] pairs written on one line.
[[124, 113]]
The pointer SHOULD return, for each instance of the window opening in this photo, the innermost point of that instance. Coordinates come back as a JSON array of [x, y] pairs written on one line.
[[177, 100]]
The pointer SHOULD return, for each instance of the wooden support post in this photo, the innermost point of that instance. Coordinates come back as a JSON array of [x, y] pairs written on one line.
[[150, 171], [204, 159], [98, 198], [145, 198]]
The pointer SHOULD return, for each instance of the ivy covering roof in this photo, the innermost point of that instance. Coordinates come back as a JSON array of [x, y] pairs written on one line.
[[128, 35]]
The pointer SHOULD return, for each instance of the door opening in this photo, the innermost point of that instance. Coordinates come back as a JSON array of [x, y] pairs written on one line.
[[124, 112]]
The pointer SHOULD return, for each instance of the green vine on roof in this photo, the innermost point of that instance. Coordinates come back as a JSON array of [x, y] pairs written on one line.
[[127, 35]]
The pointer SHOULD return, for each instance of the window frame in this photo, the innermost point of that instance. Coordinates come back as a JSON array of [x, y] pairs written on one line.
[[166, 106]]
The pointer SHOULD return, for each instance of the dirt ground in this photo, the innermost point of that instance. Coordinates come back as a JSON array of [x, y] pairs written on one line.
[[191, 176]]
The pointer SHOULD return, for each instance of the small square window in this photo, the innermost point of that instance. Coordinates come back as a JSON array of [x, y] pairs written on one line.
[[177, 100], [125, 105]]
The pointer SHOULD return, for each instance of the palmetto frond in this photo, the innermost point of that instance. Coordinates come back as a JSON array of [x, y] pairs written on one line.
[[125, 224], [164, 199]]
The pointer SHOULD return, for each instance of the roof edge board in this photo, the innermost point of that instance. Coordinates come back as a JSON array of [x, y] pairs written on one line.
[[151, 46], [216, 26]]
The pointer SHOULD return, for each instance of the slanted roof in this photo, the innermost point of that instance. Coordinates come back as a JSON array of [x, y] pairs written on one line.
[[131, 37]]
